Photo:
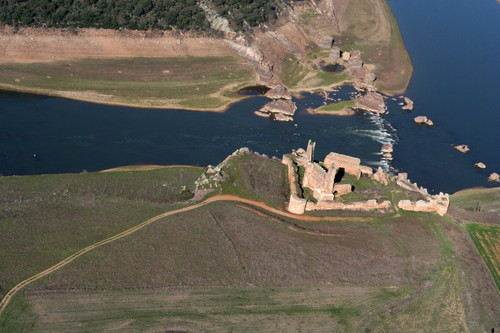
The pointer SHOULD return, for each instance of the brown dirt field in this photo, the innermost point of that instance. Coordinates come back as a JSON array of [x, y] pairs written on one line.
[[31, 45]]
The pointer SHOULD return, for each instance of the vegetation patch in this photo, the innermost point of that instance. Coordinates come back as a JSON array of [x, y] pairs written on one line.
[[335, 107], [257, 177], [367, 189], [486, 239]]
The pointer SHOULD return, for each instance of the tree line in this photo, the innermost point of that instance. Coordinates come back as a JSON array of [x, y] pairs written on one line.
[[135, 14]]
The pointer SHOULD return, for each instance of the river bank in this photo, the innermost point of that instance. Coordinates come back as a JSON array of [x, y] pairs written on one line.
[[133, 68]]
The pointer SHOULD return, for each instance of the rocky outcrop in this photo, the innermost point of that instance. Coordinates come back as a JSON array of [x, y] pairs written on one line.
[[279, 92], [408, 104], [462, 148], [423, 120], [213, 177], [494, 177], [354, 61], [373, 102], [387, 151], [386, 148], [280, 110]]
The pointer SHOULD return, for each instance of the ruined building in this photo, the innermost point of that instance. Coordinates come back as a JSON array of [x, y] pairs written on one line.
[[322, 182]]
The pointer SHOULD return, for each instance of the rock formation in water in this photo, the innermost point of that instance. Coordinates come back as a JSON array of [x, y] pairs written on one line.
[[480, 165], [494, 177], [280, 109], [423, 120], [462, 148], [408, 104], [373, 102]]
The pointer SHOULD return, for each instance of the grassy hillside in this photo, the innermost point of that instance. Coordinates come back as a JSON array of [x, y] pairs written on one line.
[[478, 199], [229, 266], [43, 219], [183, 82]]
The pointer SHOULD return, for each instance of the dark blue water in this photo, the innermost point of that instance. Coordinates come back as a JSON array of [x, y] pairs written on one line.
[[454, 49], [52, 135]]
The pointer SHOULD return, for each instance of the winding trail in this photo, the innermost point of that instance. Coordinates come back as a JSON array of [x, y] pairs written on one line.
[[7, 298]]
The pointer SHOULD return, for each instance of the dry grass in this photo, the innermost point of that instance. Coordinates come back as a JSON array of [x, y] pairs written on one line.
[[44, 219], [182, 82], [369, 26]]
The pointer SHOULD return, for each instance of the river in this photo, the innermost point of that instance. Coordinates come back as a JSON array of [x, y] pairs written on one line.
[[453, 46]]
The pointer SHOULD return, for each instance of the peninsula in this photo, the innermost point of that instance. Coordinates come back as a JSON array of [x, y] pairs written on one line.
[[204, 69]]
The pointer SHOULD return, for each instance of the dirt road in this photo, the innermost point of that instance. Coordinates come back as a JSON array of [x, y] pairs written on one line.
[[7, 298]]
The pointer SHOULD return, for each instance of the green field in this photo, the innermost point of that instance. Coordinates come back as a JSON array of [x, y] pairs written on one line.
[[486, 238], [335, 107], [189, 82]]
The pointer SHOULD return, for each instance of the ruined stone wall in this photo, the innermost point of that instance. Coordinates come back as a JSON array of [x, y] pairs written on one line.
[[296, 204], [351, 165], [334, 205], [314, 177], [434, 205], [292, 176]]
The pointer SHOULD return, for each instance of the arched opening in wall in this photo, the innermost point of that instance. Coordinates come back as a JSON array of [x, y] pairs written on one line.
[[339, 175]]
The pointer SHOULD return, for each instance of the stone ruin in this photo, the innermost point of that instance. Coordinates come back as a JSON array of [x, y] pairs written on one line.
[[320, 180]]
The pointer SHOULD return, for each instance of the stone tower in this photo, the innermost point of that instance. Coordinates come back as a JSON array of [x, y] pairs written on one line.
[[310, 151]]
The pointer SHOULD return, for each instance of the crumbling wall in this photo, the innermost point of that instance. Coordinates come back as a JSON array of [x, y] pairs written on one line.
[[437, 204], [314, 176], [335, 205]]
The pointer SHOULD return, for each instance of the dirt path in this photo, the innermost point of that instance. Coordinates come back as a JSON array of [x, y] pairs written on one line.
[[7, 298]]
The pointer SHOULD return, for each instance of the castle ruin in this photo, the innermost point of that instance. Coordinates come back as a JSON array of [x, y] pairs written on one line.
[[321, 181]]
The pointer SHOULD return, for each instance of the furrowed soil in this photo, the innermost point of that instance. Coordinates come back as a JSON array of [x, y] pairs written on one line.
[[222, 267]]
